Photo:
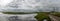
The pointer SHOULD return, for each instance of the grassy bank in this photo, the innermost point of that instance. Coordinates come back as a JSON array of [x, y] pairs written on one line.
[[42, 15], [56, 14], [17, 12]]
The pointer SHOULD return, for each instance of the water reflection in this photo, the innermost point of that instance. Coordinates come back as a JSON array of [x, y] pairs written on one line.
[[29, 17], [21, 17], [14, 18]]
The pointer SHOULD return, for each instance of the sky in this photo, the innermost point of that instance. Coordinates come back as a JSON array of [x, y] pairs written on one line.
[[3, 3]]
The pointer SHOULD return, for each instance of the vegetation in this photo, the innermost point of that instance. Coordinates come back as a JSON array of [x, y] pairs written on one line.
[[42, 15], [16, 13], [56, 14]]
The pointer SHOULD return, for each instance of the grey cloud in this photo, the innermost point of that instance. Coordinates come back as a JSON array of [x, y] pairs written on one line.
[[47, 6]]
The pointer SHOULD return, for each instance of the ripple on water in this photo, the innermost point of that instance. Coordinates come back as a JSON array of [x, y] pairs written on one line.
[[25, 17]]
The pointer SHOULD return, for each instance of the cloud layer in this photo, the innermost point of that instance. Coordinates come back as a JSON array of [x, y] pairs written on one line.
[[32, 5]]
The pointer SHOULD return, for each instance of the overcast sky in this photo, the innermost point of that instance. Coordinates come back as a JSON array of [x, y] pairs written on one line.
[[5, 2]]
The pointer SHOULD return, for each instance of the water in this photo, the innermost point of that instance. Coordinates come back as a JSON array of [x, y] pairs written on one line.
[[22, 17], [45, 20]]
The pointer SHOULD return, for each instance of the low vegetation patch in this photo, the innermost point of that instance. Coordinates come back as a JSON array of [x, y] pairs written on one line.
[[56, 14], [42, 15], [16, 13]]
